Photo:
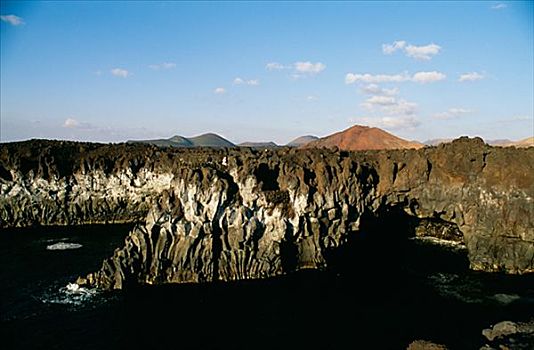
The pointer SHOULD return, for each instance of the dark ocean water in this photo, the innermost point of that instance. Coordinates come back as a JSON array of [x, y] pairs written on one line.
[[375, 296]]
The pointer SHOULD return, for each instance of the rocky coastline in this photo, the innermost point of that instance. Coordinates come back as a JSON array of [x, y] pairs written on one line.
[[231, 214]]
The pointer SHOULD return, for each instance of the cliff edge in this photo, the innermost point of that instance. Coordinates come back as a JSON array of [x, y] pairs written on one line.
[[227, 214]]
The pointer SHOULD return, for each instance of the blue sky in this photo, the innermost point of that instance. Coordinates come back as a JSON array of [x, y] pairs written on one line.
[[262, 71]]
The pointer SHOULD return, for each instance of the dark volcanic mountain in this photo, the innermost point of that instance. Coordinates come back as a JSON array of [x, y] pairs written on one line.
[[301, 141], [360, 137], [204, 140]]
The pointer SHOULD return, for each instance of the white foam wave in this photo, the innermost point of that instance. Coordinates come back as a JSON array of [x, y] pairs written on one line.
[[63, 246], [71, 294], [506, 298]]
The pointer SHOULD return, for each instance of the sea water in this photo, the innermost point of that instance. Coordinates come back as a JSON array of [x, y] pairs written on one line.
[[375, 297]]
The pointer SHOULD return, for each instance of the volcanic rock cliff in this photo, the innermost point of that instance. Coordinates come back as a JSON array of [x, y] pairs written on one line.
[[229, 214]]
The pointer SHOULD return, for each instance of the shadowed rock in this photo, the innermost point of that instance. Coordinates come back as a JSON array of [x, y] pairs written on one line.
[[232, 214]]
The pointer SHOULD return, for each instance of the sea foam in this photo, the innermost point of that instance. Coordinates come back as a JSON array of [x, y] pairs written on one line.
[[63, 246]]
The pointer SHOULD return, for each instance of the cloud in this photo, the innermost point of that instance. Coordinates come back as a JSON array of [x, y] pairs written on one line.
[[276, 66], [419, 77], [422, 52], [119, 72], [388, 49], [12, 19], [401, 107], [351, 78], [499, 6], [251, 82], [418, 52], [309, 67], [162, 66], [312, 98], [428, 77], [473, 76], [300, 69], [390, 105], [452, 113], [390, 123], [373, 89], [71, 123], [219, 91], [381, 100]]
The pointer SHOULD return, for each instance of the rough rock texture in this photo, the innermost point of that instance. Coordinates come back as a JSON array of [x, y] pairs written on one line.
[[64, 183], [510, 335], [240, 214], [425, 345]]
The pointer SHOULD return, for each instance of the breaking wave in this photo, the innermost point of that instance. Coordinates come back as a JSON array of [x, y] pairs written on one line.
[[63, 246], [71, 294]]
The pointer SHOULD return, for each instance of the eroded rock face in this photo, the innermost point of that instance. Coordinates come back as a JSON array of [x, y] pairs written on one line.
[[239, 214]]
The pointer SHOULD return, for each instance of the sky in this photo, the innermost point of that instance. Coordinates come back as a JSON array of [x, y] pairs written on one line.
[[265, 71]]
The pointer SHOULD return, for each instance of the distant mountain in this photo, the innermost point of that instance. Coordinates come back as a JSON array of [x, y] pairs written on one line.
[[361, 137], [500, 142], [528, 142], [258, 144], [210, 140], [301, 141], [204, 140]]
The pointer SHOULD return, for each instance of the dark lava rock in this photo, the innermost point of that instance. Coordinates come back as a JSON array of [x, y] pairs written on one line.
[[230, 214]]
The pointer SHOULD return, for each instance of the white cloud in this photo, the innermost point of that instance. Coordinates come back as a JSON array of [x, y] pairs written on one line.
[[276, 66], [164, 65], [300, 69], [119, 72], [422, 52], [390, 123], [401, 107], [428, 77], [309, 67], [251, 82], [419, 77], [499, 6], [388, 49], [219, 91], [381, 100], [473, 76], [351, 78], [71, 123], [390, 105], [312, 98], [12, 19], [373, 89], [452, 113], [418, 52]]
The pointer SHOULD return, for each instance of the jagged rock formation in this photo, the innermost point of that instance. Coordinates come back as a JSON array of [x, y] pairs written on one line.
[[66, 183], [237, 214]]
